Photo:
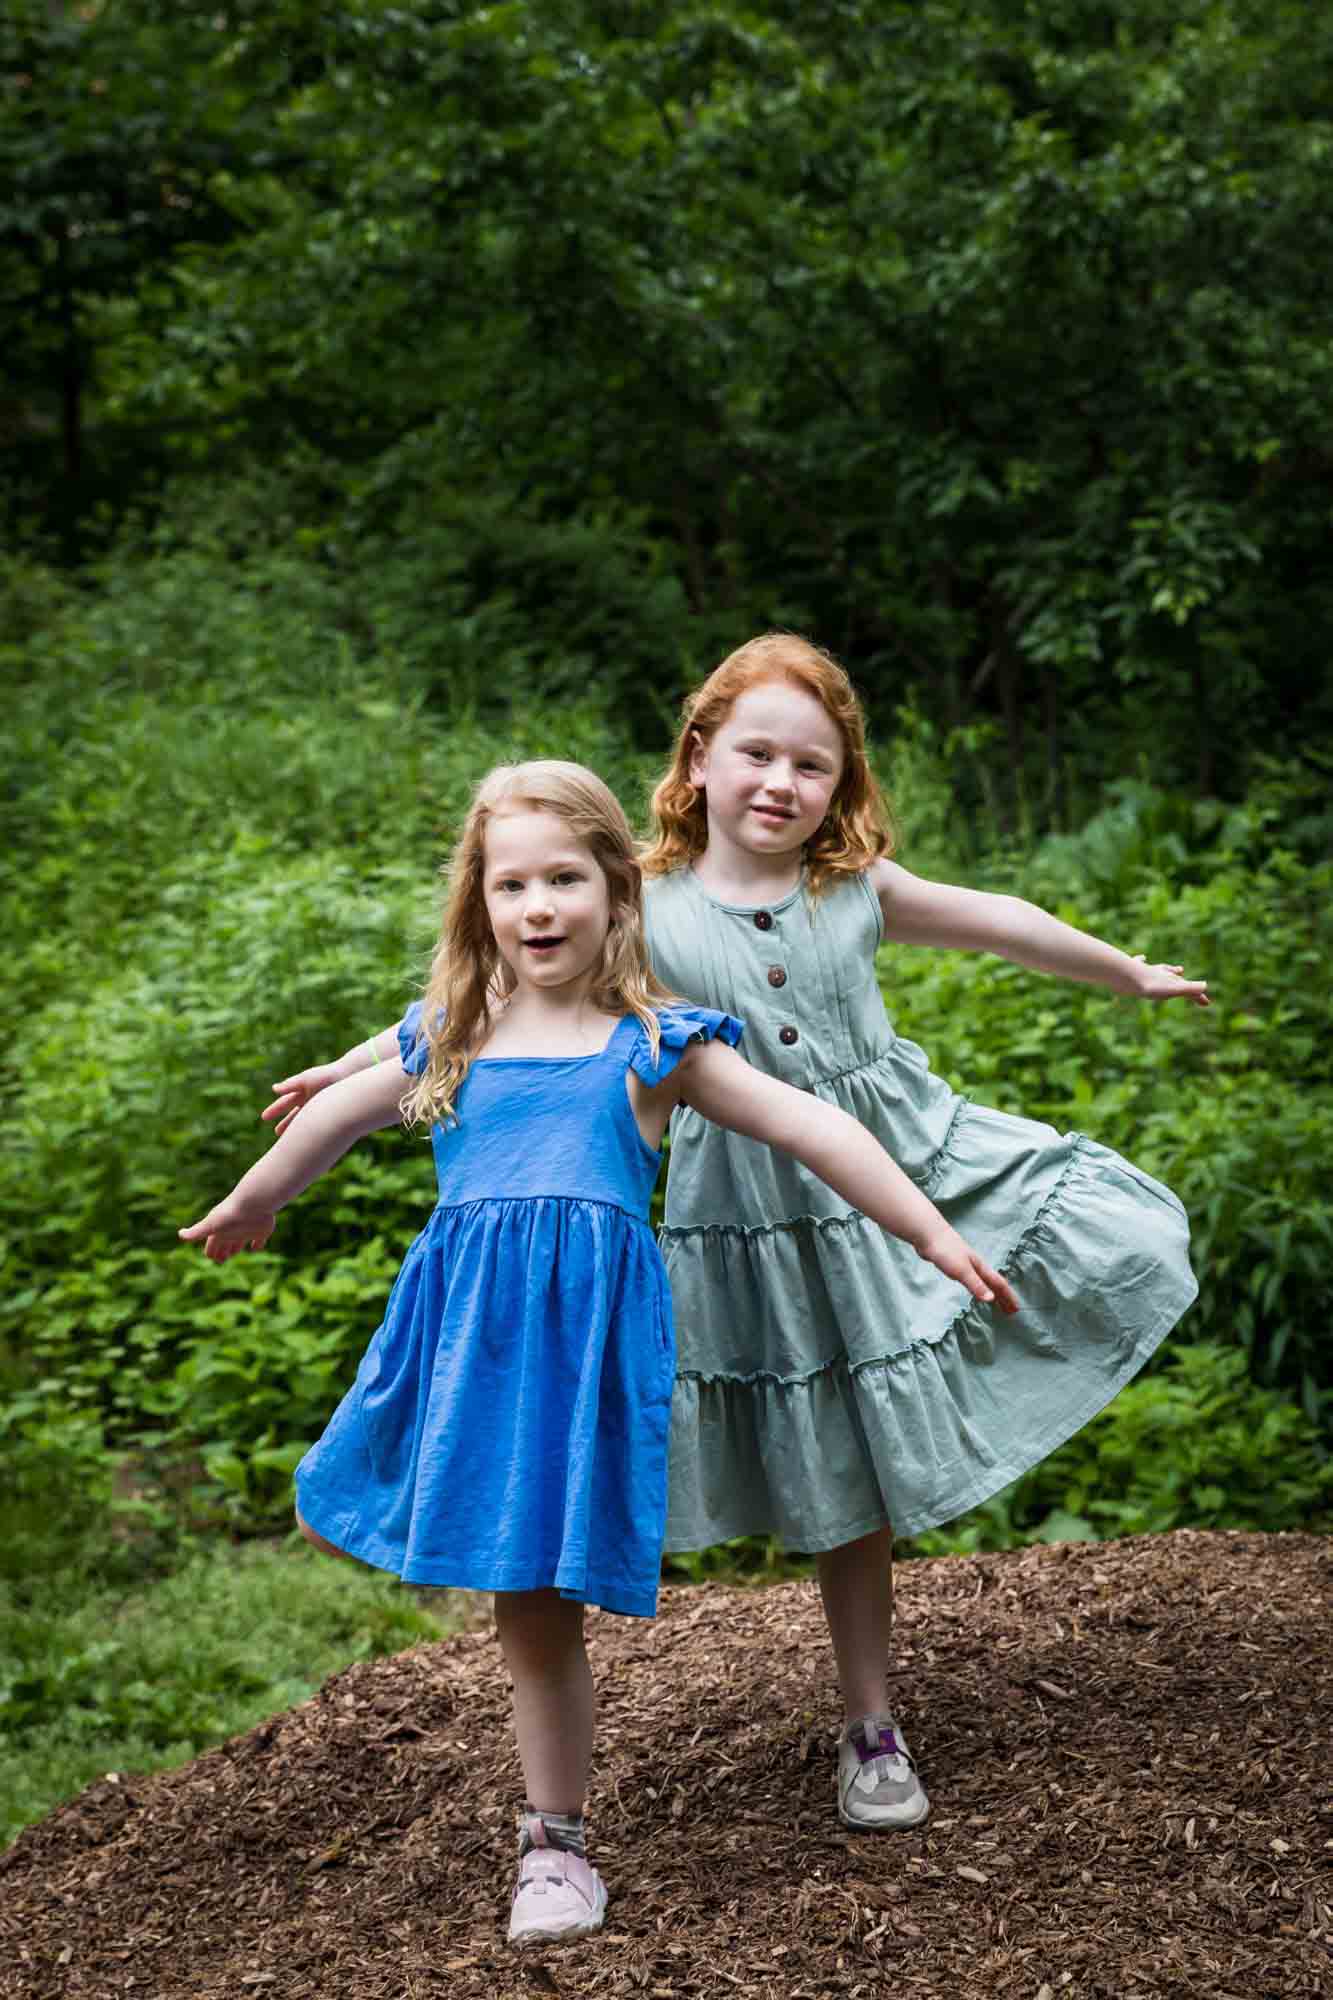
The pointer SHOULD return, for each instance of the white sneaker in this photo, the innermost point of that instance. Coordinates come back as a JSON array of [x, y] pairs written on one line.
[[878, 1788], [557, 1895]]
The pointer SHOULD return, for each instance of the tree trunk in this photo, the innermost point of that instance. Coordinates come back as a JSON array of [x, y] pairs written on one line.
[[71, 369], [1008, 675], [1055, 788], [1206, 768]]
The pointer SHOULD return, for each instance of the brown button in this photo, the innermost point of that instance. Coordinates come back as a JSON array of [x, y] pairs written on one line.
[[776, 976], [763, 920], [787, 1036]]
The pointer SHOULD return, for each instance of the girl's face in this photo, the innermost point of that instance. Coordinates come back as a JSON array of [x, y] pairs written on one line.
[[770, 769], [546, 897]]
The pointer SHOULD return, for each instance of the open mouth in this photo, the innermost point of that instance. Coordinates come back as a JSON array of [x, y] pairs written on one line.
[[542, 945]]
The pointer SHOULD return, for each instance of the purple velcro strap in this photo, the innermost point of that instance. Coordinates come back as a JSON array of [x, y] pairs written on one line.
[[887, 1746]]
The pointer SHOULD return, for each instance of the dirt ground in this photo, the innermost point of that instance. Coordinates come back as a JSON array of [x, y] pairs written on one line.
[[1127, 1747]]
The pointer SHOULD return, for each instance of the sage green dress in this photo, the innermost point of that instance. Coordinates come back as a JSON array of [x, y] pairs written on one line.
[[828, 1380]]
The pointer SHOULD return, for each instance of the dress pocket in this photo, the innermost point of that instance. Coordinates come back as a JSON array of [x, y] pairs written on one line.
[[665, 1333]]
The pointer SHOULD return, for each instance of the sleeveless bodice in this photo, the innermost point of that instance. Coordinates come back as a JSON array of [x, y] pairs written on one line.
[[556, 1127], [801, 971]]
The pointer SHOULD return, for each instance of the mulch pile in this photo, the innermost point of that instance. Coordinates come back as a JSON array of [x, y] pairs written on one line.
[[1127, 1745]]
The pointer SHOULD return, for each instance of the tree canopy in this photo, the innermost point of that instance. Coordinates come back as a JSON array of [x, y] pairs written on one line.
[[986, 341]]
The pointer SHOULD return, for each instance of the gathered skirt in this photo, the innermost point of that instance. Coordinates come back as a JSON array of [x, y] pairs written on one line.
[[507, 1428], [830, 1382]]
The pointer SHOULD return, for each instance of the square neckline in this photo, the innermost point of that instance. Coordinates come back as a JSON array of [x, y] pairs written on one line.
[[653, 1153], [595, 1056]]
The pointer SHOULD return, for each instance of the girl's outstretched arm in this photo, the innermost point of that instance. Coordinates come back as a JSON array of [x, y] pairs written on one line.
[[722, 1086], [920, 912], [295, 1091], [345, 1112]]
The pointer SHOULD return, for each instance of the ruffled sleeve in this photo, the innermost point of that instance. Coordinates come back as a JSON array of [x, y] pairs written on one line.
[[681, 1027], [413, 1047]]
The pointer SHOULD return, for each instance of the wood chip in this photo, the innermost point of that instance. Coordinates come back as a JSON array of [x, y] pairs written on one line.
[[1114, 1863]]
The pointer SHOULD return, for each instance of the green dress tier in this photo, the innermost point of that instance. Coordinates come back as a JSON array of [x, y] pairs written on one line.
[[830, 1382]]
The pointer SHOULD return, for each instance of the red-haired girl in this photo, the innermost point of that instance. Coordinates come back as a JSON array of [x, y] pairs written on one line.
[[829, 1390]]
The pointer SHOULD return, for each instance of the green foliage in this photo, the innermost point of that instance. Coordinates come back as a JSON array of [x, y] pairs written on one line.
[[96, 1680], [595, 338], [130, 1645], [59, 1506], [194, 693], [121, 128], [219, 859]]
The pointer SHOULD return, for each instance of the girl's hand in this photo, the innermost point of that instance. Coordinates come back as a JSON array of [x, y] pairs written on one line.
[[1168, 982], [294, 1092], [233, 1225], [945, 1249]]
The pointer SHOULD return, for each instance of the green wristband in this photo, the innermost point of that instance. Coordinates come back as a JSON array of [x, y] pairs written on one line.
[[375, 1054]]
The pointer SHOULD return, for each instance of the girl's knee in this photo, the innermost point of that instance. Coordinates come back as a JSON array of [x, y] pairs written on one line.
[[317, 1541], [537, 1622]]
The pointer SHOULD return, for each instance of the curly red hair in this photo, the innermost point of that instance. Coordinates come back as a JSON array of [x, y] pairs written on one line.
[[858, 827]]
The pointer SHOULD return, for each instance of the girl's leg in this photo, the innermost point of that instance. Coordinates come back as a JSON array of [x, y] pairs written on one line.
[[878, 1788], [856, 1583], [558, 1895], [541, 1636], [318, 1542]]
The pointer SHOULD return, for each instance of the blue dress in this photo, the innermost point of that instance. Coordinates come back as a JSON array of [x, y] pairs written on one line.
[[507, 1429]]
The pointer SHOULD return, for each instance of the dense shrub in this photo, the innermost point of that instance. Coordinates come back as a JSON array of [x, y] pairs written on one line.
[[220, 842]]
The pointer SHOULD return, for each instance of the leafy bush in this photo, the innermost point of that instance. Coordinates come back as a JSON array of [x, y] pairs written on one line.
[[221, 854], [60, 1512], [196, 715], [94, 1680], [131, 1646]]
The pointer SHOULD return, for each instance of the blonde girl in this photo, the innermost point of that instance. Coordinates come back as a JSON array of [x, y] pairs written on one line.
[[507, 1428]]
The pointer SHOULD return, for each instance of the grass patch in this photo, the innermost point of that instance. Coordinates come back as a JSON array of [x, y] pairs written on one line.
[[96, 1680]]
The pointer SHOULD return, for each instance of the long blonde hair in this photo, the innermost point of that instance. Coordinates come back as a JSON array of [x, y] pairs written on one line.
[[858, 826], [468, 975]]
